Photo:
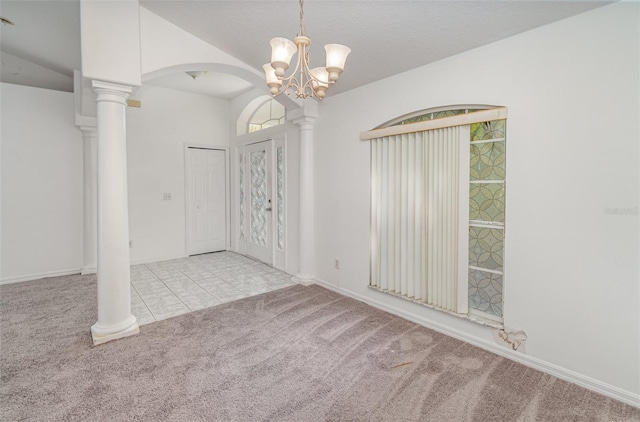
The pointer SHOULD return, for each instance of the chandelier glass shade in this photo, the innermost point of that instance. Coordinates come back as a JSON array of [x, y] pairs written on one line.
[[304, 82]]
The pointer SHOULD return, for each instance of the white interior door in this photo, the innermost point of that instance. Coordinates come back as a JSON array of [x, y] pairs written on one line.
[[258, 170], [206, 200]]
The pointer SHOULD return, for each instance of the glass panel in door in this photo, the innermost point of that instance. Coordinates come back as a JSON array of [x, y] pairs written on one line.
[[259, 168]]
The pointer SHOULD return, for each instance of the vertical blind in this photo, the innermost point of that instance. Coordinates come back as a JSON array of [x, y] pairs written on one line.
[[415, 203]]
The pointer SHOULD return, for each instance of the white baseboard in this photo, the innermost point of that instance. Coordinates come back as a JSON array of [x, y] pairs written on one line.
[[88, 270], [533, 362], [29, 277], [82, 270]]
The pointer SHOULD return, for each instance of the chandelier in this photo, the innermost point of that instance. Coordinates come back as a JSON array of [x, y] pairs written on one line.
[[304, 82]]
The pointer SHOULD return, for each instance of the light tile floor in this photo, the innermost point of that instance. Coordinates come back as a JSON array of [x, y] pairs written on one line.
[[165, 289]]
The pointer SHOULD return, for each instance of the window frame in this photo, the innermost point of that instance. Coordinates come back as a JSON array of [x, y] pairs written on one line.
[[472, 114], [253, 127]]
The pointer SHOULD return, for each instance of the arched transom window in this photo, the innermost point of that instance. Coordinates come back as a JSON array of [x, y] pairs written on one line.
[[269, 114]]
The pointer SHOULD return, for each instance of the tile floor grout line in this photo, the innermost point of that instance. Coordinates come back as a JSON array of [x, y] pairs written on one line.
[[175, 294], [205, 290], [234, 265], [228, 283], [180, 298], [165, 284], [142, 300]]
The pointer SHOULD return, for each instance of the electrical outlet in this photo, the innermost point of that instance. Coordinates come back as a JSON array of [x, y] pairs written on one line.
[[166, 197], [337, 263]]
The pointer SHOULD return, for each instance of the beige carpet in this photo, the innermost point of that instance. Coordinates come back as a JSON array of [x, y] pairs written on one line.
[[298, 354]]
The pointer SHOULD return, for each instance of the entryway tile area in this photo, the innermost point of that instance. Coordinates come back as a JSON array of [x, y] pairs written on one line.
[[165, 289]]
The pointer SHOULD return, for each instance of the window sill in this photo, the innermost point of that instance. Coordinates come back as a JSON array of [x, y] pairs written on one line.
[[474, 318]]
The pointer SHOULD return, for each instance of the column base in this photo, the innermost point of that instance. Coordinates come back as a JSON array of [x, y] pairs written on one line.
[[304, 279], [101, 334]]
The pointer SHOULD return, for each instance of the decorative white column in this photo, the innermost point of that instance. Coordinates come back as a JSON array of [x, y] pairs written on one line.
[[306, 272], [90, 152], [114, 288]]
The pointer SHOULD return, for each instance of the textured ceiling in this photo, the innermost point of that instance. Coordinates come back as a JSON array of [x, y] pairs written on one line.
[[386, 37], [219, 85], [46, 33]]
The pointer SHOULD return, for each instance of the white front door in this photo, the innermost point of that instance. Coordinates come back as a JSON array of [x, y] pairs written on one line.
[[258, 169], [206, 200]]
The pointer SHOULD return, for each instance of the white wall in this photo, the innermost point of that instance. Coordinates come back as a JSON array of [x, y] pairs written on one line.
[[156, 137], [41, 219], [110, 41], [572, 279]]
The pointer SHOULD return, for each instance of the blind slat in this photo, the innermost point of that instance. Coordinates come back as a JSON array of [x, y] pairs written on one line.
[[415, 203]]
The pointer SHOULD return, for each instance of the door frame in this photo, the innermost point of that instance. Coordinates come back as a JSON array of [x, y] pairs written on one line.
[[279, 258], [227, 198]]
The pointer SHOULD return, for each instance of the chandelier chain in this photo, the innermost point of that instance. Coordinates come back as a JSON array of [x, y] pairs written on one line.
[[301, 17]]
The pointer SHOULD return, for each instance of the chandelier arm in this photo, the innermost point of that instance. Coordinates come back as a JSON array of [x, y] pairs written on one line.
[[303, 66], [292, 82], [310, 79], [308, 86], [307, 71], [301, 50], [304, 91], [304, 73]]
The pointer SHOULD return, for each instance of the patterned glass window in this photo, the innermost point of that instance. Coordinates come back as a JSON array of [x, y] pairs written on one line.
[[486, 217], [280, 197], [269, 114], [258, 198], [241, 183], [486, 140]]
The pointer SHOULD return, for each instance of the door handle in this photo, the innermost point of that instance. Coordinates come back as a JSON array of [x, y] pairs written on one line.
[[268, 209]]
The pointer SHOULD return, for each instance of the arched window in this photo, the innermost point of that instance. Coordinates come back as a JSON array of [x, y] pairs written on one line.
[[270, 113], [438, 209], [435, 113]]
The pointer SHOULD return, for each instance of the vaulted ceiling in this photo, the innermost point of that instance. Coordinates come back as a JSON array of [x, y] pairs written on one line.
[[386, 37]]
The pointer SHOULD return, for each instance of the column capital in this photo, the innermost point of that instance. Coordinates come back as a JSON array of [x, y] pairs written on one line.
[[305, 115], [305, 123], [109, 91]]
